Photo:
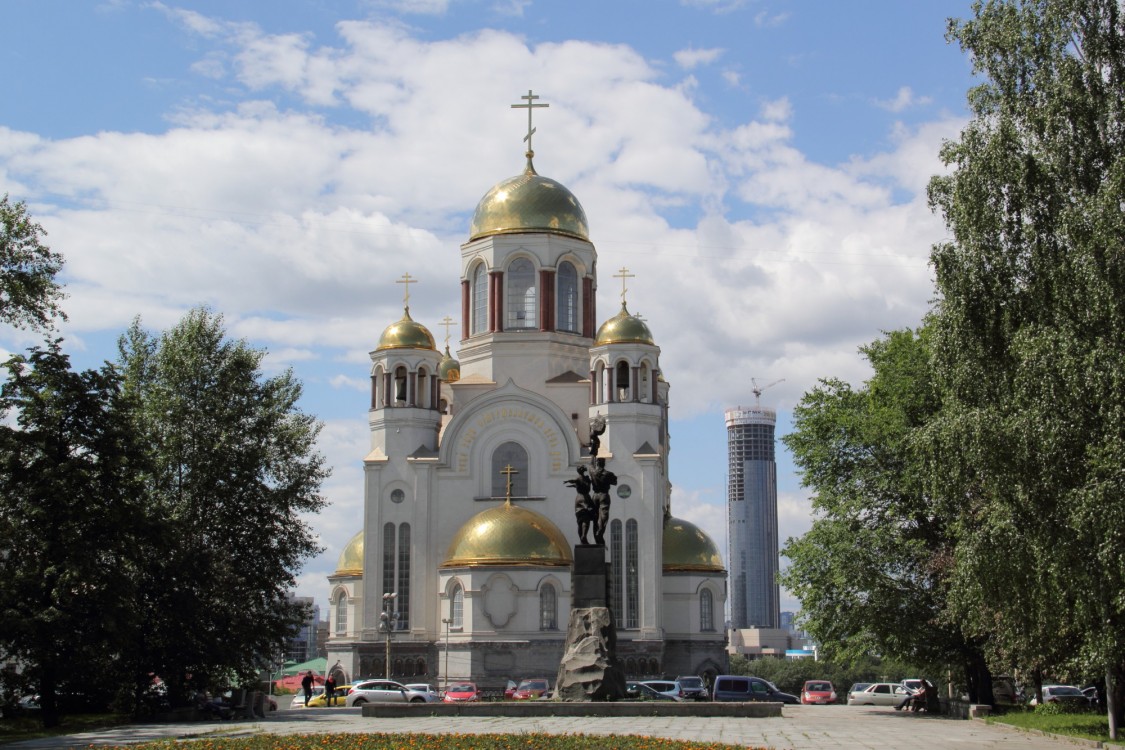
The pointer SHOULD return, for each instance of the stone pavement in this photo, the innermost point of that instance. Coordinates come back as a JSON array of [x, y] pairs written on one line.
[[799, 728]]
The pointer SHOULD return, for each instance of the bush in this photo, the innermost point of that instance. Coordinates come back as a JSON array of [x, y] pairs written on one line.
[[1058, 709]]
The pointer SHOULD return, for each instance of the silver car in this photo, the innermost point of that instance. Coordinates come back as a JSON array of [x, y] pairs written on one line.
[[386, 691], [879, 694]]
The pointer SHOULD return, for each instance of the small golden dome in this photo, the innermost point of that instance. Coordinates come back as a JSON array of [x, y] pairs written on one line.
[[406, 334], [688, 548], [351, 559], [449, 369], [624, 328], [529, 203], [508, 535]]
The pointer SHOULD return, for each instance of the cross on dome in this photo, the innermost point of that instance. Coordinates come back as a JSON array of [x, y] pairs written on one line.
[[447, 322], [624, 274], [509, 471], [406, 281], [530, 97]]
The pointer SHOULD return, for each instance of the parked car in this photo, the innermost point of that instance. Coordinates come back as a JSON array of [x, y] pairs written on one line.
[[671, 688], [320, 698], [739, 688], [529, 689], [1004, 691], [641, 692], [299, 698], [386, 691], [1091, 693], [1062, 695], [694, 687], [880, 694], [857, 687], [913, 684], [818, 691], [461, 692], [422, 687], [510, 690]]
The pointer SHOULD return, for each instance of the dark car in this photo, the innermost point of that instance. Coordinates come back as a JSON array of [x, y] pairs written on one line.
[[693, 688], [739, 688]]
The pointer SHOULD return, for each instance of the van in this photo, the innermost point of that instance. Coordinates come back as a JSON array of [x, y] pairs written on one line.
[[740, 688]]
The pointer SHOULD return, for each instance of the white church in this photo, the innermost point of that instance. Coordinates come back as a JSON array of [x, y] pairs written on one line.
[[468, 528]]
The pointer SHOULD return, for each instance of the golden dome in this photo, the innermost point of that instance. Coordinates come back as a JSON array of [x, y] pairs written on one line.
[[529, 203], [508, 535], [688, 548], [624, 328], [449, 369], [406, 334], [351, 559]]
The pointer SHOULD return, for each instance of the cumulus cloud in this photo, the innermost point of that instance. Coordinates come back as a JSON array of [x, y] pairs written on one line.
[[691, 58], [904, 99]]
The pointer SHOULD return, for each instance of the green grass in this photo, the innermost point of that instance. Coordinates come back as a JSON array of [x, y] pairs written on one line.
[[30, 728], [1088, 726], [434, 742]]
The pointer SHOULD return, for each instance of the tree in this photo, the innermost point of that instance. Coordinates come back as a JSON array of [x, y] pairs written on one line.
[[71, 521], [29, 294], [872, 573], [234, 469], [1029, 333]]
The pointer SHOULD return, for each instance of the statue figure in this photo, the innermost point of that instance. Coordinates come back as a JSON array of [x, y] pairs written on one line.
[[584, 511], [601, 480], [597, 429]]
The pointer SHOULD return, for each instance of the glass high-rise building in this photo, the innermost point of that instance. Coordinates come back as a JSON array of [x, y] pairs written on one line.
[[752, 552]]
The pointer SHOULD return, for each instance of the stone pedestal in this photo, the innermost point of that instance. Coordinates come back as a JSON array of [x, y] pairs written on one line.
[[589, 670]]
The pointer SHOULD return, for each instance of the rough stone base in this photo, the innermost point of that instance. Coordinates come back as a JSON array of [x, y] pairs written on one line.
[[588, 670]]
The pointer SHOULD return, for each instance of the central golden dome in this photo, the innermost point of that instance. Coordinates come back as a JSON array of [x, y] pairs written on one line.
[[624, 328], [406, 334], [351, 559], [688, 548], [529, 203], [508, 535]]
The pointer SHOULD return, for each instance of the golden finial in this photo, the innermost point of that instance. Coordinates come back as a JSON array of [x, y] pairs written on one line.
[[509, 471], [447, 322], [406, 281], [530, 130], [624, 274]]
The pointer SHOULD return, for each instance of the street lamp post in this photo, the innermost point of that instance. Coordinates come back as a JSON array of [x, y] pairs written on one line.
[[386, 622], [447, 621]]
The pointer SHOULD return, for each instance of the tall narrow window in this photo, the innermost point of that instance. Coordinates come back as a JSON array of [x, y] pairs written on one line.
[[632, 587], [617, 571], [479, 322], [548, 608], [567, 312], [706, 611], [513, 455], [621, 376], [402, 601], [342, 614], [457, 607], [521, 295], [389, 558]]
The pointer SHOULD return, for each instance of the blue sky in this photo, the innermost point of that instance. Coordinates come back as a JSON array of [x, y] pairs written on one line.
[[760, 166]]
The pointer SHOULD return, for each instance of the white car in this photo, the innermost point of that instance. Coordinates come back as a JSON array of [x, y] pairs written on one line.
[[879, 694], [386, 691], [422, 687]]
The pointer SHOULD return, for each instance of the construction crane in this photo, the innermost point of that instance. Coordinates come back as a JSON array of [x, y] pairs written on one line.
[[758, 391]]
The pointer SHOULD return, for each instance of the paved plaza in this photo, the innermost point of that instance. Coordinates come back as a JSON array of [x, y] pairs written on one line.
[[799, 728]]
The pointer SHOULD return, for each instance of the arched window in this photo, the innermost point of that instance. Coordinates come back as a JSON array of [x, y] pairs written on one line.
[[621, 376], [567, 312], [479, 312], [400, 386], [457, 607], [548, 608], [706, 611], [521, 295], [617, 569], [402, 601], [342, 614], [632, 584], [509, 454], [389, 558]]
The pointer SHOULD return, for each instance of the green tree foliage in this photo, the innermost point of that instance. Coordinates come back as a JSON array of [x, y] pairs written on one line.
[[29, 294], [873, 572], [790, 675], [234, 471], [1029, 332], [71, 519]]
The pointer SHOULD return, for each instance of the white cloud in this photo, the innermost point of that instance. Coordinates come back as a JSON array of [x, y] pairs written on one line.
[[691, 58], [904, 99]]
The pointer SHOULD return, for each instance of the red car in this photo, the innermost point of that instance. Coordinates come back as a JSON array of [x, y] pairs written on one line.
[[818, 691], [529, 689], [461, 692]]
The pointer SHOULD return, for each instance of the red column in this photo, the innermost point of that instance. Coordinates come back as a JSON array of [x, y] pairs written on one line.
[[546, 300], [496, 306], [466, 308]]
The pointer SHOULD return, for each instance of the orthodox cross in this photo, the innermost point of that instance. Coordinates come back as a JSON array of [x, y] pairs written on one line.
[[529, 106], [509, 471], [447, 322], [624, 274], [406, 281]]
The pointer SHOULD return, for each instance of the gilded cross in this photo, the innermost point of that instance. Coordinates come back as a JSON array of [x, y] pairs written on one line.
[[406, 281], [624, 274], [509, 471], [447, 322], [529, 106]]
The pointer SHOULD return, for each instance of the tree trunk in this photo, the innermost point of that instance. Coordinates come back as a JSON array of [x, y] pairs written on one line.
[[979, 680], [1111, 703]]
